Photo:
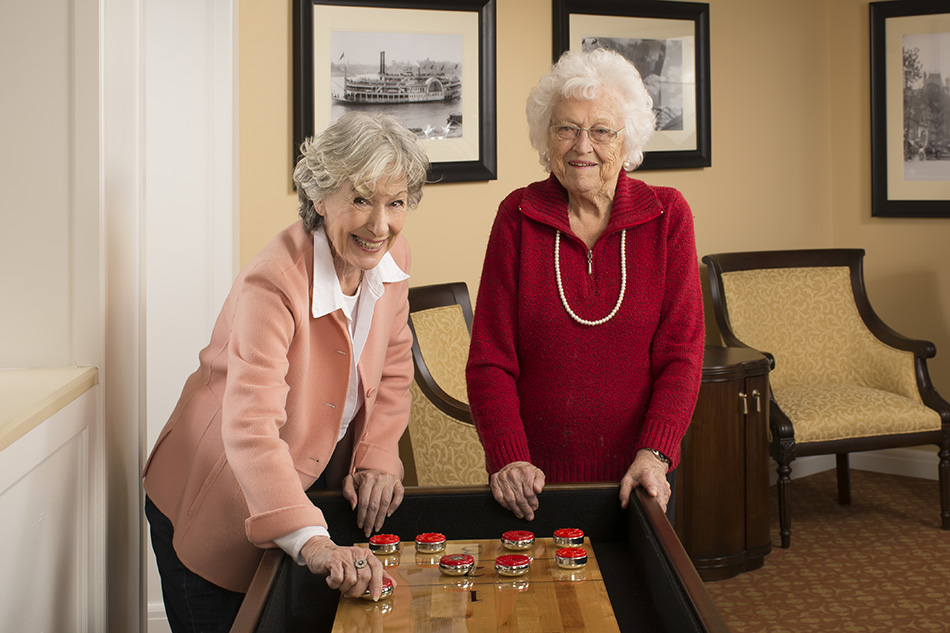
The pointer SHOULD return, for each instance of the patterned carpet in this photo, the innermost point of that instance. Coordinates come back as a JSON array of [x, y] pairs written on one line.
[[881, 564]]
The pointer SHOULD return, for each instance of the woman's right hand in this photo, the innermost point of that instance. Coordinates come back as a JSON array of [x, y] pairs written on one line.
[[517, 486], [350, 569]]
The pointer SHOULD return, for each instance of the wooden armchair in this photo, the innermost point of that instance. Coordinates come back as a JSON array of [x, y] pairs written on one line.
[[842, 381], [441, 443]]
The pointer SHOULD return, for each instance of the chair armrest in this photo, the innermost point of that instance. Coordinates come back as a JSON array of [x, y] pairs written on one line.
[[920, 348], [445, 403]]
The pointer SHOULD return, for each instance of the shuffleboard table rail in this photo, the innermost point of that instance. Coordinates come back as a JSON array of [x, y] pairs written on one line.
[[651, 581]]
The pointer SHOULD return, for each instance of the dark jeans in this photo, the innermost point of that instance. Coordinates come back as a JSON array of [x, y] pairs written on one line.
[[192, 604], [195, 605]]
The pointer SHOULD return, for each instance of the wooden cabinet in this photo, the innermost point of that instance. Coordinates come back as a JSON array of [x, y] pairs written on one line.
[[722, 482]]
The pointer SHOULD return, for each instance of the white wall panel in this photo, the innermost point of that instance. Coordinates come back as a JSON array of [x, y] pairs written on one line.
[[190, 206], [123, 385], [48, 525], [36, 167]]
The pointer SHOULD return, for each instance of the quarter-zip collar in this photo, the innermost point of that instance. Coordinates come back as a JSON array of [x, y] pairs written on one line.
[[634, 203]]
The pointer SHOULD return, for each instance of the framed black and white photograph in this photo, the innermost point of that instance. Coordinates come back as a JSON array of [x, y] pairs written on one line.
[[910, 109], [430, 63], [668, 42]]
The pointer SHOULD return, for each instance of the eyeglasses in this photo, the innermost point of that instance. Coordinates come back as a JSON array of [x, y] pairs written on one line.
[[567, 132]]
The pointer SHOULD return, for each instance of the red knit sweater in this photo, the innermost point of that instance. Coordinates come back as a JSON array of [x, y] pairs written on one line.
[[579, 401]]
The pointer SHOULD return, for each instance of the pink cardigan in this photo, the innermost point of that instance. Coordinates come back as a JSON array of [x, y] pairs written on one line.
[[258, 421]]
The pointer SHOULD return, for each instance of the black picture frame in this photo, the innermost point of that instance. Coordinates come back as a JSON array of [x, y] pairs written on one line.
[[909, 178], [477, 151], [690, 147]]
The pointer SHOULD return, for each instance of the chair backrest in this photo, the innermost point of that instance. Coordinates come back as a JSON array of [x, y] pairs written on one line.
[[444, 443], [809, 310], [442, 340]]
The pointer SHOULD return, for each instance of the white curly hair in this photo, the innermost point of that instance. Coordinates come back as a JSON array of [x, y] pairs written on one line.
[[589, 75]]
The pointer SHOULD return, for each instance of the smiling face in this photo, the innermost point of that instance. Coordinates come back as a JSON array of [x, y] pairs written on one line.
[[587, 170], [361, 229]]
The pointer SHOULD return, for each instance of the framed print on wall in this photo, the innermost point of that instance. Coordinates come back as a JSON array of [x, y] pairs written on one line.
[[668, 42], [910, 109], [430, 63]]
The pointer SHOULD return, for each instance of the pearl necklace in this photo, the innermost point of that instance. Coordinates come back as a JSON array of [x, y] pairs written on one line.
[[623, 280]]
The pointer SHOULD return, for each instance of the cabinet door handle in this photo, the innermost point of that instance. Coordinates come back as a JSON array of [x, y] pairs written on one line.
[[758, 402], [745, 402]]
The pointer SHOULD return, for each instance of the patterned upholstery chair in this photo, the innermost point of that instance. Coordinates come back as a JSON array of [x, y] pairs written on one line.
[[842, 381], [442, 443]]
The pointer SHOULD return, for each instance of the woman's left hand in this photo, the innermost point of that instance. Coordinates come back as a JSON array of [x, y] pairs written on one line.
[[374, 495], [650, 473]]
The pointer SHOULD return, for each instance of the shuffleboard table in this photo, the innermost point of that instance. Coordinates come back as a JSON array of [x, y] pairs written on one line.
[[643, 577]]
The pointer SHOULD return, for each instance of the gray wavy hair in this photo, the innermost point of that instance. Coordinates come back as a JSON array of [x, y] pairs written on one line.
[[587, 75], [364, 149]]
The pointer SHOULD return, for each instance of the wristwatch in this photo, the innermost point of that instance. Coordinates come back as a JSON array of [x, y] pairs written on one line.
[[660, 456]]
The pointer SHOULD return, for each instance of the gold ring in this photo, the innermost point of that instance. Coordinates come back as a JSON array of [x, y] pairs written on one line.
[[360, 563]]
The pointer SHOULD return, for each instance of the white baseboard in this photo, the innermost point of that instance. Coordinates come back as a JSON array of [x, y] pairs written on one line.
[[908, 462], [157, 622], [899, 461]]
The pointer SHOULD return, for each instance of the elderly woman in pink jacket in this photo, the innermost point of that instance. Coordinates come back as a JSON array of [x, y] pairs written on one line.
[[305, 381]]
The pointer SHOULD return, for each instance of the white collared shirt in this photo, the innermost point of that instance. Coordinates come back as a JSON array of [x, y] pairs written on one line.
[[327, 298]]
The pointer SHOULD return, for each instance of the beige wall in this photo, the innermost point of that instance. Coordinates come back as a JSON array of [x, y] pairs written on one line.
[[906, 269], [790, 151]]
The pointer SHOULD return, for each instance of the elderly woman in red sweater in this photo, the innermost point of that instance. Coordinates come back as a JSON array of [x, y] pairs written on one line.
[[587, 343], [305, 380]]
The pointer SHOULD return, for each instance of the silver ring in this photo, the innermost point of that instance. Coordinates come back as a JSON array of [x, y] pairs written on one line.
[[360, 563]]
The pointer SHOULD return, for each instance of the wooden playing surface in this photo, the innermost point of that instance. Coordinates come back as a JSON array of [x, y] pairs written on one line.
[[547, 598]]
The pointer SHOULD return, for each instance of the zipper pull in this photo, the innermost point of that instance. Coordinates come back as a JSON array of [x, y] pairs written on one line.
[[590, 262]]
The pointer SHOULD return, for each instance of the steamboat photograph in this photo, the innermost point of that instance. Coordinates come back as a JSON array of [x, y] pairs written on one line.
[[416, 77]]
